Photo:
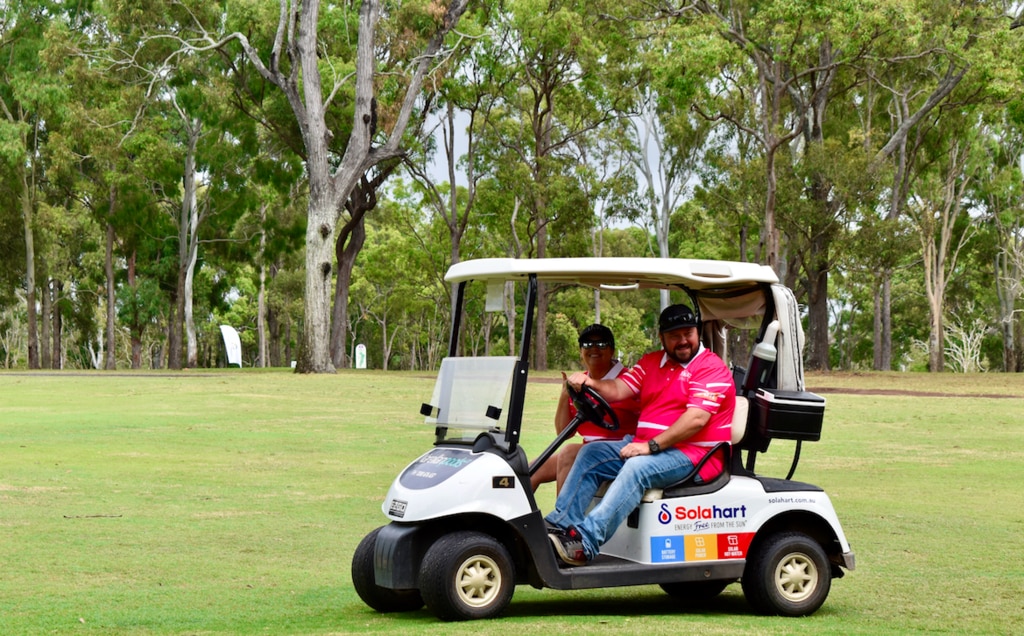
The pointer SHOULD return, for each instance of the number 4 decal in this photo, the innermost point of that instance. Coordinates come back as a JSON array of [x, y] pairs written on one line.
[[503, 482]]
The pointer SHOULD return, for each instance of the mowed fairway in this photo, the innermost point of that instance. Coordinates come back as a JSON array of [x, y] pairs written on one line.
[[230, 503]]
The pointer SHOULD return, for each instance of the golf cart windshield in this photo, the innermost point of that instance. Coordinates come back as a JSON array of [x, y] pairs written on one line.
[[471, 395]]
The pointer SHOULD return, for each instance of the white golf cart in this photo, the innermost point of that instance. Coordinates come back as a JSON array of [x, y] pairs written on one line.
[[465, 528]]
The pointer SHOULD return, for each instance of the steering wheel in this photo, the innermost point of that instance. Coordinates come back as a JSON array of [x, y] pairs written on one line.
[[590, 406]]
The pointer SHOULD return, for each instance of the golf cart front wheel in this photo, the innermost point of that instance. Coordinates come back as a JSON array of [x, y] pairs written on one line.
[[466, 575], [788, 576], [379, 598]]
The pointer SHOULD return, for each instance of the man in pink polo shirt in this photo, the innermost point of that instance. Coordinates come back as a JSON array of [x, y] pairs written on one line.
[[687, 397]]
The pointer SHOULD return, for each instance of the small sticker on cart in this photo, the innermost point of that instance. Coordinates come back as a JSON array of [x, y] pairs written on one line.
[[503, 482], [397, 508]]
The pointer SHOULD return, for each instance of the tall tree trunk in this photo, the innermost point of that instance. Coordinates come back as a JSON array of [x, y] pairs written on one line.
[[261, 303], [897, 199], [44, 325], [110, 358], [346, 252], [136, 328], [817, 309], [883, 322], [351, 238], [57, 357], [176, 319], [27, 212], [188, 234]]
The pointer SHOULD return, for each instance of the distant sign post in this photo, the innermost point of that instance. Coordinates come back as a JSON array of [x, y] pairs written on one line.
[[360, 356]]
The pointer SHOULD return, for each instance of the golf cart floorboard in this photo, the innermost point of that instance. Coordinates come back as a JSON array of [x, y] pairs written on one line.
[[609, 571]]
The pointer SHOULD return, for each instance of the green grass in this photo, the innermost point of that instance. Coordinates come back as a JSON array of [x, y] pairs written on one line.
[[230, 503]]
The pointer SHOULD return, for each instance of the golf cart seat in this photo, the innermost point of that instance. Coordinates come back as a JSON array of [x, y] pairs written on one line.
[[692, 484]]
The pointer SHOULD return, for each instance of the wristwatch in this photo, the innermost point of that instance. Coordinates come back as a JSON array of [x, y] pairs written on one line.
[[653, 445]]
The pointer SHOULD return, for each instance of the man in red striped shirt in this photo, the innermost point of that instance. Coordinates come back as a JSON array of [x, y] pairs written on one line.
[[687, 397]]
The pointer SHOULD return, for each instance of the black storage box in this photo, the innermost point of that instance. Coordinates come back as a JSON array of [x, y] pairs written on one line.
[[789, 414]]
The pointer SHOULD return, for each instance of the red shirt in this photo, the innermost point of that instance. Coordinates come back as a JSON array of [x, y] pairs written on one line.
[[667, 389]]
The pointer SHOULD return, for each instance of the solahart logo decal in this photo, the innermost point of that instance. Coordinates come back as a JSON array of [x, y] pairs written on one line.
[[664, 516], [435, 467], [703, 518]]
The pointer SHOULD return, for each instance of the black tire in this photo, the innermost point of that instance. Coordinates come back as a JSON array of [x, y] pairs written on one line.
[[379, 598], [694, 591], [465, 576], [788, 576]]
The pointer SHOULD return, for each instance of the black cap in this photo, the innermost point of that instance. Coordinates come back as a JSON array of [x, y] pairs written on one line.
[[676, 317], [602, 333]]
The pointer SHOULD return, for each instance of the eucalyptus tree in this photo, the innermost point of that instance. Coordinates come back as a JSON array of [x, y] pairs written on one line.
[[573, 75], [668, 137], [117, 158], [324, 79], [787, 57], [999, 191], [12, 260], [934, 59], [29, 98], [395, 289], [464, 101]]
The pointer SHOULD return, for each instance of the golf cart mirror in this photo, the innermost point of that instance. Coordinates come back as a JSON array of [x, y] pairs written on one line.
[[495, 296]]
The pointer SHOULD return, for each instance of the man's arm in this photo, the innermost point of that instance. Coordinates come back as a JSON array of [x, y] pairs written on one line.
[[688, 424], [613, 390]]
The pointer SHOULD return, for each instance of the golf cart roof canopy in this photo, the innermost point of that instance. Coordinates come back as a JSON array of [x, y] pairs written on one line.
[[612, 273]]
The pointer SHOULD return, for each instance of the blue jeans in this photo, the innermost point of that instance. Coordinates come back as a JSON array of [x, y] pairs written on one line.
[[599, 462]]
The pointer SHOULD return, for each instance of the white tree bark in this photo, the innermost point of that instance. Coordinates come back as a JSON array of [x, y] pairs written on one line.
[[188, 234], [328, 190]]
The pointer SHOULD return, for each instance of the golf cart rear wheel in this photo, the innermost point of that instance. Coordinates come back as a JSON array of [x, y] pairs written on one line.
[[379, 598], [466, 575], [789, 576], [694, 591]]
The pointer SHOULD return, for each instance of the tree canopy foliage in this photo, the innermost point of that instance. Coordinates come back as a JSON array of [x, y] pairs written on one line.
[[307, 171]]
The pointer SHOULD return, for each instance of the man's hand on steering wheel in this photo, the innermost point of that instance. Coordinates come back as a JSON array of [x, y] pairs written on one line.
[[590, 406]]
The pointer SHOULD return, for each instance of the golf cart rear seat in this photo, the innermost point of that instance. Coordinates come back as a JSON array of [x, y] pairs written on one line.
[[690, 485]]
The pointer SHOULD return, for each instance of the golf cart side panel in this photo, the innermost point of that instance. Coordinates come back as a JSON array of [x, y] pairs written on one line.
[[715, 526], [691, 528], [483, 481], [544, 570]]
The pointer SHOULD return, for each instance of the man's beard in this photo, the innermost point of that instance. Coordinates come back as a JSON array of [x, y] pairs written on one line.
[[678, 358]]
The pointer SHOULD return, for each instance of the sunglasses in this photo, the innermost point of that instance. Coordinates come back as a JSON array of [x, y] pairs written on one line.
[[591, 344]]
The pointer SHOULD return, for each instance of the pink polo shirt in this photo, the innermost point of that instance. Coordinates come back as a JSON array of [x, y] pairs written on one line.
[[667, 389]]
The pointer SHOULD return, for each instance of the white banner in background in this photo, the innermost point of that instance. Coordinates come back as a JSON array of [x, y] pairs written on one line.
[[232, 344]]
